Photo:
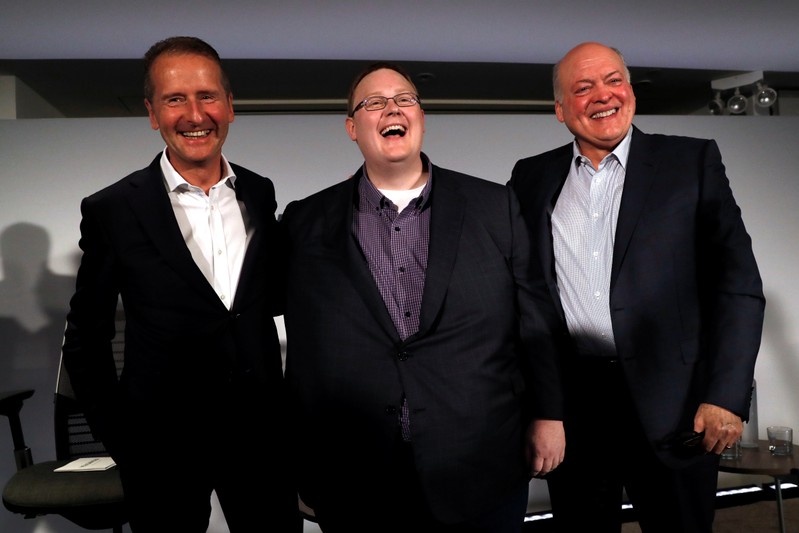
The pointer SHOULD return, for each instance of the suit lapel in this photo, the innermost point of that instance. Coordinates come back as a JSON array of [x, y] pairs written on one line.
[[638, 180], [446, 223], [555, 174], [150, 203], [341, 240], [256, 211]]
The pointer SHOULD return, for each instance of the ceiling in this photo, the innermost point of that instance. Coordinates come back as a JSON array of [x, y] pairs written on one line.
[[83, 56]]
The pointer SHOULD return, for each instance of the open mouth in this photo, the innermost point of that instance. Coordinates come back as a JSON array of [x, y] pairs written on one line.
[[394, 129], [196, 134], [604, 114]]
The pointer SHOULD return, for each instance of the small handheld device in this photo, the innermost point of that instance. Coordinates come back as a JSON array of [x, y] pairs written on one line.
[[684, 440]]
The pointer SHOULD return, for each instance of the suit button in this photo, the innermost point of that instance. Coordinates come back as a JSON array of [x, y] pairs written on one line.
[[391, 410], [403, 356]]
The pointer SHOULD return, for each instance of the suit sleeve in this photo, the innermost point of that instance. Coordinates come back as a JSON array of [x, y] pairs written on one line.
[[537, 325], [731, 289], [87, 352]]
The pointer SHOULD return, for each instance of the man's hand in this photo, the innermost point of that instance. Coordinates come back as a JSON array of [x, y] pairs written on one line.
[[546, 446], [722, 427]]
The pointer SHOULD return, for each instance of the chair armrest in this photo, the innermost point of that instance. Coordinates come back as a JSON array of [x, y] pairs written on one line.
[[11, 401], [10, 406]]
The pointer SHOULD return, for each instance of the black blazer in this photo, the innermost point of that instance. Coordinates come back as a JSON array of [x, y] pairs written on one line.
[[686, 296], [481, 334], [184, 349]]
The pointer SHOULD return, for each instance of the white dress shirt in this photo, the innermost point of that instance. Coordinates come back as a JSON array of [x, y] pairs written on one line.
[[215, 227]]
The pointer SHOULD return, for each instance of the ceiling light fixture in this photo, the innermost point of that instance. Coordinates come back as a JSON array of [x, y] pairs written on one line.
[[716, 106], [738, 90], [765, 95], [737, 102]]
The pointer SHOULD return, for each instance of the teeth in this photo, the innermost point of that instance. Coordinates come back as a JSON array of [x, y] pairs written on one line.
[[604, 113], [393, 128], [202, 133]]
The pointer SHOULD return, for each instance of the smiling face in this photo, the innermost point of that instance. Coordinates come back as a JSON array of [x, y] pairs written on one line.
[[596, 103], [392, 135], [191, 110]]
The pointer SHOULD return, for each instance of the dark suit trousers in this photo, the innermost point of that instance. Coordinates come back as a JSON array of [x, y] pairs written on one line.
[[232, 446], [399, 507], [607, 452]]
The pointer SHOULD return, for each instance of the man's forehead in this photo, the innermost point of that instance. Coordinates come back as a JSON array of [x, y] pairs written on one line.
[[383, 80]]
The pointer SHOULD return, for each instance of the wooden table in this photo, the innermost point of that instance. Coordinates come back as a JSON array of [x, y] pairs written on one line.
[[760, 461]]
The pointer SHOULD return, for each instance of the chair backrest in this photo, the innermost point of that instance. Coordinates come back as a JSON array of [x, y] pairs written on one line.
[[73, 438]]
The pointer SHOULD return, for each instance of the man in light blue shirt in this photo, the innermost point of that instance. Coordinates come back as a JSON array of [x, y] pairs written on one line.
[[650, 265]]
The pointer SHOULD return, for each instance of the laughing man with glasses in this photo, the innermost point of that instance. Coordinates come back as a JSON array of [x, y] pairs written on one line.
[[419, 363]]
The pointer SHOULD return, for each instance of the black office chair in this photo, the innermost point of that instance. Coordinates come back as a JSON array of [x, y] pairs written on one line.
[[92, 500]]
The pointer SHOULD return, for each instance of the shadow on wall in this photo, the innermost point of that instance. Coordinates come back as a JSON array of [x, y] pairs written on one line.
[[33, 307]]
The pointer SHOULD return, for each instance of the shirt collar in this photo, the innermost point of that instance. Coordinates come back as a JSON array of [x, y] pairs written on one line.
[[175, 181], [620, 153], [373, 197]]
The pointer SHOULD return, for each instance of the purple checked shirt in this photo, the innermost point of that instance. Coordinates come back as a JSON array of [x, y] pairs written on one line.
[[395, 245]]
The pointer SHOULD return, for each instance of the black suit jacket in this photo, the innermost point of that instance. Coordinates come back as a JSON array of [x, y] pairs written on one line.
[[184, 350], [481, 333], [686, 296]]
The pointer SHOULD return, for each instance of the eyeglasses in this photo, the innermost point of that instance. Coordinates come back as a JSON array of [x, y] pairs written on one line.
[[375, 103]]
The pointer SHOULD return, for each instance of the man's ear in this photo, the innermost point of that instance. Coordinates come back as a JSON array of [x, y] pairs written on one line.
[[349, 125], [153, 120], [558, 111]]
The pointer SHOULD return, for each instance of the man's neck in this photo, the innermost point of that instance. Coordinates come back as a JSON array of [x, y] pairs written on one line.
[[397, 177], [594, 153], [203, 176]]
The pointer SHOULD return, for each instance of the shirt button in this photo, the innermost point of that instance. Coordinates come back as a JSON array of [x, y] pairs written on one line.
[[401, 269], [407, 314]]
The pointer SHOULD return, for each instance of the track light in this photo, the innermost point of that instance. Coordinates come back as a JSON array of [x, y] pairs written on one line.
[[738, 90], [765, 95], [737, 102], [716, 106]]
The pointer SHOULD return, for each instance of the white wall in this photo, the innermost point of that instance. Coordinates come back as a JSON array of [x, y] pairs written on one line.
[[48, 165]]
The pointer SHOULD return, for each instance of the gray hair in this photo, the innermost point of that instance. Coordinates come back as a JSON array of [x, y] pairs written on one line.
[[558, 92]]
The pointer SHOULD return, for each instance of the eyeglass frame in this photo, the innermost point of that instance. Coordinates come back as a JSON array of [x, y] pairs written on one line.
[[385, 99]]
